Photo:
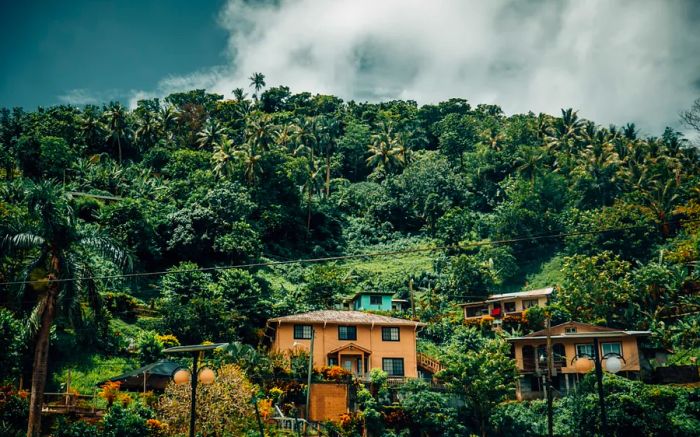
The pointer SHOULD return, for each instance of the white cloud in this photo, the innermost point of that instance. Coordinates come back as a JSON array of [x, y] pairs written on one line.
[[615, 61]]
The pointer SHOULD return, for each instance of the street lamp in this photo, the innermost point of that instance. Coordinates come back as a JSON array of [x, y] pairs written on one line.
[[613, 364], [204, 376]]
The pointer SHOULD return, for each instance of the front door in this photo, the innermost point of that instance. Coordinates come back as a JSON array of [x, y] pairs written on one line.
[[349, 364]]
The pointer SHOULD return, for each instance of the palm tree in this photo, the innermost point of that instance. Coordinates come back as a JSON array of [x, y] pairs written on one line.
[[257, 82], [385, 149], [147, 128], [329, 131], [117, 125], [306, 136], [167, 117], [312, 184], [58, 247], [239, 94], [210, 134], [222, 157], [529, 162], [285, 135], [92, 130], [250, 160], [259, 131]]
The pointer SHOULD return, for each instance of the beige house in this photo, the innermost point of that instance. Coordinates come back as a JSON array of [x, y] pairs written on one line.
[[354, 340], [570, 341], [506, 304]]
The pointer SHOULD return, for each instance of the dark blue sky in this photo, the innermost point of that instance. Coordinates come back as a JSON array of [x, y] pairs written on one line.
[[106, 48]]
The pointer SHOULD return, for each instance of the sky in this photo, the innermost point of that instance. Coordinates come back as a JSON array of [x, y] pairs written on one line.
[[616, 61]]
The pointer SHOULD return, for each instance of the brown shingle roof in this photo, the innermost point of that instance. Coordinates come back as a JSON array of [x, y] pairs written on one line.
[[345, 317]]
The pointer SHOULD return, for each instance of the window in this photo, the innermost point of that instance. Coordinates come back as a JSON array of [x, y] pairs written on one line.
[[390, 334], [509, 307], [570, 330], [393, 366], [375, 299], [584, 350], [332, 361], [529, 303], [608, 348], [347, 333], [302, 332], [477, 311]]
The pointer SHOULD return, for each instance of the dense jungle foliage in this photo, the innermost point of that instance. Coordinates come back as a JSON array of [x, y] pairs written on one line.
[[474, 202]]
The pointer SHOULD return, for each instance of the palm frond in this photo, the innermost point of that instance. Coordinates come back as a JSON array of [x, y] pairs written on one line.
[[21, 241], [34, 319], [108, 249]]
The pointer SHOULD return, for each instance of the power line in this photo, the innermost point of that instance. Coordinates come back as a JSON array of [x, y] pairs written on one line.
[[354, 256]]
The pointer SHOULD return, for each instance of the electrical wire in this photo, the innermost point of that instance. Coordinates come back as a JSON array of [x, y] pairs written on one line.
[[355, 256]]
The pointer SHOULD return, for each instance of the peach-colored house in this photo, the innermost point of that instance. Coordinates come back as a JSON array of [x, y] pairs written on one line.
[[506, 304], [355, 340], [569, 341]]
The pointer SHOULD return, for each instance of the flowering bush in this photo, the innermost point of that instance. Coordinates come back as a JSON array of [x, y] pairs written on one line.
[[223, 408], [157, 428], [334, 373], [110, 391]]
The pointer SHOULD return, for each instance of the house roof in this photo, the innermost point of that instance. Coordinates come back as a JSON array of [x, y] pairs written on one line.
[[360, 293], [506, 296], [350, 346], [591, 331], [345, 317], [163, 368], [520, 294]]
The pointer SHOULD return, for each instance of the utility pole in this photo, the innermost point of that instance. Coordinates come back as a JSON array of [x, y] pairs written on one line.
[[413, 304], [550, 371], [308, 381]]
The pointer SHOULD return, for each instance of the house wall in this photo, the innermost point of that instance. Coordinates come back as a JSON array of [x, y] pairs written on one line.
[[630, 351], [541, 302], [363, 303], [328, 401], [368, 337]]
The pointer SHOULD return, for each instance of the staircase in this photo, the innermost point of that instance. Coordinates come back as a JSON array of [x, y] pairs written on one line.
[[429, 364]]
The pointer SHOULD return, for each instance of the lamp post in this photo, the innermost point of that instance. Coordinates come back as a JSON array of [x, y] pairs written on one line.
[[613, 364], [205, 376]]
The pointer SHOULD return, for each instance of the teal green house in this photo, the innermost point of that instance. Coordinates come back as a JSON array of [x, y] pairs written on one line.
[[370, 300]]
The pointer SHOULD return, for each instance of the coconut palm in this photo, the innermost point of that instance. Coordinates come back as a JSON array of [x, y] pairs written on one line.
[[57, 250], [312, 184], [285, 135], [147, 128], [529, 161], [257, 82], [385, 150], [92, 130], [167, 118], [118, 130], [260, 131], [329, 130], [223, 157], [239, 94], [210, 134], [251, 161]]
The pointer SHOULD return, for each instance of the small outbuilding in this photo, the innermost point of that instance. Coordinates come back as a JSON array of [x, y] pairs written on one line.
[[152, 377]]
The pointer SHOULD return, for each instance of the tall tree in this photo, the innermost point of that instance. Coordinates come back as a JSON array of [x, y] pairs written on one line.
[[385, 150], [210, 134], [56, 245], [257, 82], [118, 130]]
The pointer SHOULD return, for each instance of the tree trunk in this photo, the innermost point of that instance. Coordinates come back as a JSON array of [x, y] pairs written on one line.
[[119, 146], [328, 176], [41, 355], [308, 213]]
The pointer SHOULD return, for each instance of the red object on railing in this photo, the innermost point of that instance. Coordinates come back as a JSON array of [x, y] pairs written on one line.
[[496, 312]]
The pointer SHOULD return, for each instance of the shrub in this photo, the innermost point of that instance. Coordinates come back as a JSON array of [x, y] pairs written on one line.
[[121, 305]]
